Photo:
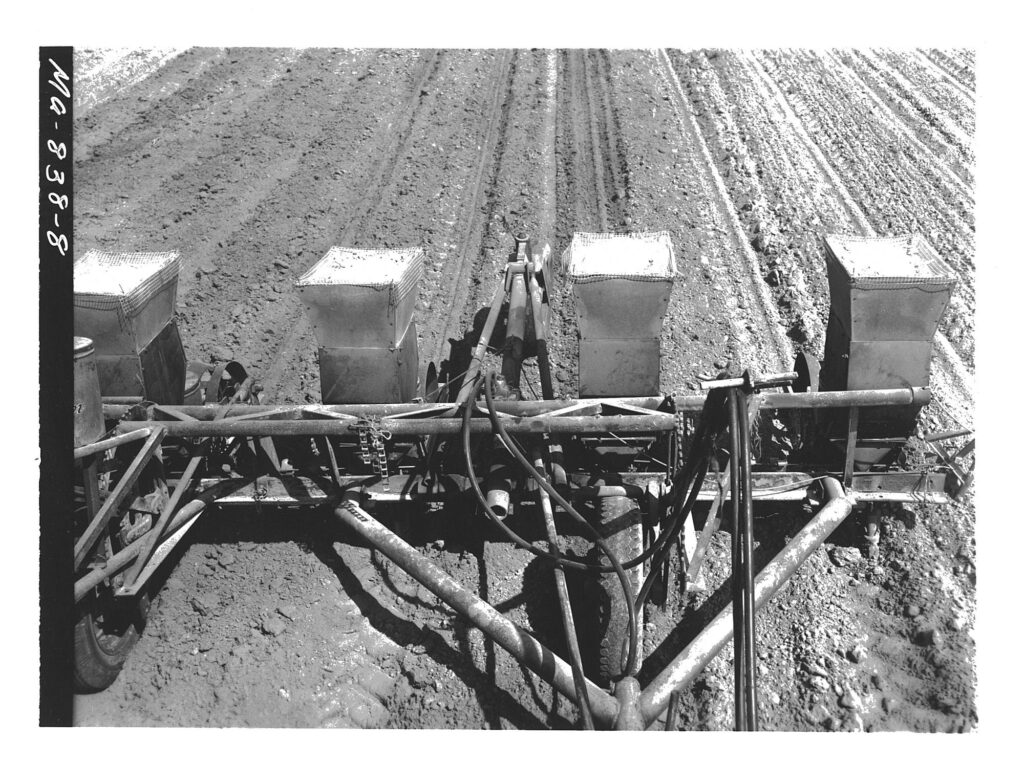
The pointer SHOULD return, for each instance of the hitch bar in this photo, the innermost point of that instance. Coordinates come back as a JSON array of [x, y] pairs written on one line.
[[629, 708], [527, 650]]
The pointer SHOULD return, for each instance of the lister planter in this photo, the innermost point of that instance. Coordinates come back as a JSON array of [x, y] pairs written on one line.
[[159, 442]]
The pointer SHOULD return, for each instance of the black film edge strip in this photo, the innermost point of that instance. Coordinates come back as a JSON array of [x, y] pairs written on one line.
[[56, 384]]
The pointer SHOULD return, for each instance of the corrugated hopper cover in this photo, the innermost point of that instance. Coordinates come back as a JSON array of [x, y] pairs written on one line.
[[891, 259], [396, 270], [634, 256], [125, 280], [362, 297]]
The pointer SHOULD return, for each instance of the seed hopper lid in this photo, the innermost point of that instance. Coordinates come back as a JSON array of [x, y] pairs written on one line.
[[398, 270], [83, 346], [634, 256], [126, 280], [888, 260]]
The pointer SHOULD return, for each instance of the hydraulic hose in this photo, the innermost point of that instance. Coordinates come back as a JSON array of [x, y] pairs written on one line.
[[627, 588], [688, 482], [568, 622], [519, 541], [517, 452], [696, 466]]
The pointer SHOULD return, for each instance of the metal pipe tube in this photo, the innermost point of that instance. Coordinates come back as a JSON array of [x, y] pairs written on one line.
[[838, 399], [314, 411], [108, 443], [568, 622], [540, 333], [747, 552], [481, 346], [739, 653], [698, 653], [126, 556], [225, 428], [480, 613], [515, 333]]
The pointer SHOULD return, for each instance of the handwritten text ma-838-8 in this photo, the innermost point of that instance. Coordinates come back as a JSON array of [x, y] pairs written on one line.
[[55, 172]]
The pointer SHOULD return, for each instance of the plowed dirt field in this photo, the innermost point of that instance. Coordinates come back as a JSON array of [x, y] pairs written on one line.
[[254, 162]]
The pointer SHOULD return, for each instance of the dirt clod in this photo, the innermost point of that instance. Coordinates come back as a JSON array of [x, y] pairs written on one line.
[[273, 626]]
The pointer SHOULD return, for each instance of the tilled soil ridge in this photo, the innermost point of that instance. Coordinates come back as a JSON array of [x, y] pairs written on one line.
[[254, 162]]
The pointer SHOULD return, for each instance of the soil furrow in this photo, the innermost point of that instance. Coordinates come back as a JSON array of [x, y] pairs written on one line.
[[941, 78], [942, 144], [129, 107], [154, 154], [474, 226], [961, 74], [618, 171], [373, 188], [253, 172], [884, 172], [940, 141], [855, 210], [921, 77], [103, 76], [767, 344], [597, 157]]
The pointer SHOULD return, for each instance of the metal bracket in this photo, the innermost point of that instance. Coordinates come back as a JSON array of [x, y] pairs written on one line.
[[851, 446]]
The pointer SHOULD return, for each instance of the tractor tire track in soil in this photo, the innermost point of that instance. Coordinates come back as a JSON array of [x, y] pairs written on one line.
[[476, 220], [253, 163], [759, 332], [588, 197]]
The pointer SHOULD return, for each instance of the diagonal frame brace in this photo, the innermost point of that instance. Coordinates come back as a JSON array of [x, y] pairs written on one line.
[[117, 496]]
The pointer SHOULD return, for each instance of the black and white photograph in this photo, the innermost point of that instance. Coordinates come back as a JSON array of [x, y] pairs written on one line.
[[593, 387]]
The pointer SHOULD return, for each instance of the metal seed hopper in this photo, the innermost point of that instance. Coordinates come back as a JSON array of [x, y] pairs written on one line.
[[159, 442]]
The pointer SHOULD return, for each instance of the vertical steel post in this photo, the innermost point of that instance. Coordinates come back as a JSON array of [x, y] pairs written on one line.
[[699, 652], [747, 572], [738, 579], [541, 334]]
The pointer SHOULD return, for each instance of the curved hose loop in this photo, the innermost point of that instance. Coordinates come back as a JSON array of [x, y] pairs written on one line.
[[696, 467], [687, 484], [482, 500], [556, 558], [627, 587]]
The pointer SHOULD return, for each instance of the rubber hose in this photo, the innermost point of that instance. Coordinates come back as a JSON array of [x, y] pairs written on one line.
[[627, 588]]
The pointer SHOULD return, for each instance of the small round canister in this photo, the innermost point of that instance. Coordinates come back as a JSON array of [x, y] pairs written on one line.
[[89, 426]]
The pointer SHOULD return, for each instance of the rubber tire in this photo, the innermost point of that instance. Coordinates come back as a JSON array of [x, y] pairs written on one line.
[[621, 525], [99, 656]]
